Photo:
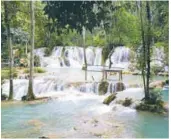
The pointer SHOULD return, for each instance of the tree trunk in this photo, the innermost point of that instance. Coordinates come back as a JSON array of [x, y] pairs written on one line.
[[9, 41], [148, 45], [85, 59], [30, 94], [26, 49], [144, 52]]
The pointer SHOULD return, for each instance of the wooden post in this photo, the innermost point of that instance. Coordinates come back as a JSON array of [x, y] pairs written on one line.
[[105, 74], [120, 75]]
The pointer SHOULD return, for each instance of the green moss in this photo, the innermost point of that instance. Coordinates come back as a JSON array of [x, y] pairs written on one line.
[[109, 99], [103, 87]]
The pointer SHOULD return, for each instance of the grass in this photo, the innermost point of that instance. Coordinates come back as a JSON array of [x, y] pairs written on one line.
[[5, 73], [36, 70]]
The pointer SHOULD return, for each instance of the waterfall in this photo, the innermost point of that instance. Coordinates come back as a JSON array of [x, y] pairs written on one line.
[[89, 88], [98, 56], [57, 51], [73, 56], [46, 86], [120, 57]]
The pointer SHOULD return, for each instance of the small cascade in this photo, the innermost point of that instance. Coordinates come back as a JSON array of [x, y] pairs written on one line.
[[90, 55], [40, 87], [89, 88], [158, 56], [57, 51], [120, 57], [98, 56]]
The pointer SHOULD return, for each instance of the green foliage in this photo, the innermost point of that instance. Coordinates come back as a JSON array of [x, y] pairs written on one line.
[[75, 15], [47, 51], [36, 61], [154, 103], [5, 73], [36, 70]]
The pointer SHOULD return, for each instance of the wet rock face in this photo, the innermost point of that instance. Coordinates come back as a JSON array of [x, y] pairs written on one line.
[[119, 87], [103, 86], [109, 99]]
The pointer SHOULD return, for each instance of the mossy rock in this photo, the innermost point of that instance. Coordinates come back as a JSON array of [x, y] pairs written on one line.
[[103, 87], [127, 102], [4, 97], [167, 81], [119, 86], [109, 99], [150, 107]]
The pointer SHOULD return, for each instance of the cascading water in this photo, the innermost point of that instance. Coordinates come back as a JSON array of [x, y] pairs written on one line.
[[120, 57], [70, 57]]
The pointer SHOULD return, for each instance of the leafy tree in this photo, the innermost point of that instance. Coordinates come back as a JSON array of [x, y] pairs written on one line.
[[30, 94], [9, 11], [78, 15]]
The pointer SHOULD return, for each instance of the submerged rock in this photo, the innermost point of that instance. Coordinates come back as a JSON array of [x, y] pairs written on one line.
[[109, 99], [119, 86], [103, 86]]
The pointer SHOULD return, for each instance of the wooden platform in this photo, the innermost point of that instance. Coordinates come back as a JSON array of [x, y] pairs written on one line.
[[105, 69]]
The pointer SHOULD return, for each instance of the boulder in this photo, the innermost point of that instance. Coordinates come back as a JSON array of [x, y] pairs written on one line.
[[103, 87], [4, 97], [119, 86], [109, 99], [157, 84], [127, 102], [23, 98]]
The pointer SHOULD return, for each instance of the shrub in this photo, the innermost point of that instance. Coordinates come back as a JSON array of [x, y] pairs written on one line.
[[5, 73], [154, 103], [36, 61], [47, 51], [36, 70]]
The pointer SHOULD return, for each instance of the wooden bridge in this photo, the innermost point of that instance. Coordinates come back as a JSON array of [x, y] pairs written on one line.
[[105, 69]]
